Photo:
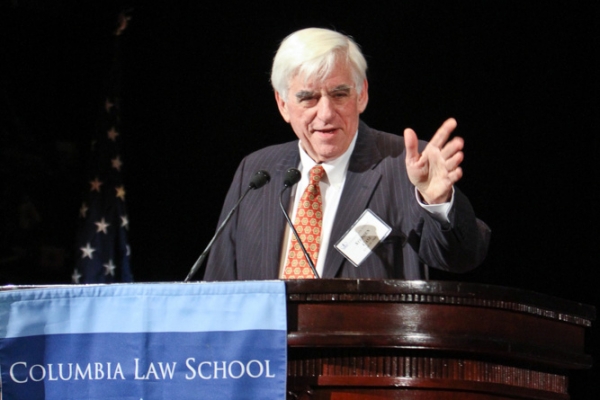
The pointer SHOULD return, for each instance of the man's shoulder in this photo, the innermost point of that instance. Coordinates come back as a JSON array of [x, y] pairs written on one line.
[[272, 155], [387, 143]]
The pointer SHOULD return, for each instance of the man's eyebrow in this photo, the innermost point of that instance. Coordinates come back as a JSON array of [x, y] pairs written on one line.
[[304, 94], [341, 88]]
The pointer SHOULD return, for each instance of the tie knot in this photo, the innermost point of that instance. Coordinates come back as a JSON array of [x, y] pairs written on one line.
[[317, 173]]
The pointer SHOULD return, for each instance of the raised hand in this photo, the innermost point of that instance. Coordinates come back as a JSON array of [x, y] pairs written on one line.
[[437, 168]]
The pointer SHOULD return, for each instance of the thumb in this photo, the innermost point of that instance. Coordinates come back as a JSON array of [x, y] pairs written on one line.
[[411, 142]]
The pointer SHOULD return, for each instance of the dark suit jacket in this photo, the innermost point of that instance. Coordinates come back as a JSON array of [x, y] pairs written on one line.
[[250, 247]]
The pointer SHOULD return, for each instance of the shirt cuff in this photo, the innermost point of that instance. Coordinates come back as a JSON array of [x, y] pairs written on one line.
[[438, 211]]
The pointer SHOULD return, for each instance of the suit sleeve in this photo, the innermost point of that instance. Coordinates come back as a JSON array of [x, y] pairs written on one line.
[[458, 246]]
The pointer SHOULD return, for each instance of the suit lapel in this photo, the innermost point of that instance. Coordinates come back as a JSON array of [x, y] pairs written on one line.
[[361, 180], [274, 219]]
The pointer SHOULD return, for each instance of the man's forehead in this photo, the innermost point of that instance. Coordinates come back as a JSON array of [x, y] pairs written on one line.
[[327, 84], [338, 76]]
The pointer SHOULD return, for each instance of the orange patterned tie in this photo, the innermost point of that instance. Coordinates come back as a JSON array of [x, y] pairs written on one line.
[[308, 222]]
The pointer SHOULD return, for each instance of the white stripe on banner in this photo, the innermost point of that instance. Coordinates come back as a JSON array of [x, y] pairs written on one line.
[[144, 342]]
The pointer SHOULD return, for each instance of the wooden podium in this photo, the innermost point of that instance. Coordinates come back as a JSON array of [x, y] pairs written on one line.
[[374, 339]]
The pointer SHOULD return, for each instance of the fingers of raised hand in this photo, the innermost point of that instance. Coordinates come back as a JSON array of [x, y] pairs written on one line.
[[455, 175], [453, 162], [443, 133], [454, 146]]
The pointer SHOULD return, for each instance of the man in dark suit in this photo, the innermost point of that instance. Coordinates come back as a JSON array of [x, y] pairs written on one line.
[[386, 207]]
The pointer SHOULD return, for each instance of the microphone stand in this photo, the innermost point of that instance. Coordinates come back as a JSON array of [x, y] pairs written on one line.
[[259, 180]]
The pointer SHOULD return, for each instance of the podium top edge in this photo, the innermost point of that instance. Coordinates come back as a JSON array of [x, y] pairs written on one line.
[[416, 290], [447, 289]]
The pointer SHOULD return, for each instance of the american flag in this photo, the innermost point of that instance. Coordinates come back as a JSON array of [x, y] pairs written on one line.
[[102, 246]]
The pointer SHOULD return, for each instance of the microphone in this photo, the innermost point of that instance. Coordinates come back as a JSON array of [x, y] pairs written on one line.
[[292, 176], [259, 179]]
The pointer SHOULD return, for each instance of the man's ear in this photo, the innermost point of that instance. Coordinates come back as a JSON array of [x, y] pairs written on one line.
[[363, 98], [282, 105]]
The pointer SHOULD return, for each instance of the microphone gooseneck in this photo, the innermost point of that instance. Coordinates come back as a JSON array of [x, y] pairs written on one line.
[[292, 176], [259, 179]]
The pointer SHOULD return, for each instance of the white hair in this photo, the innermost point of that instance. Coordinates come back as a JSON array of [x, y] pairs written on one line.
[[313, 53]]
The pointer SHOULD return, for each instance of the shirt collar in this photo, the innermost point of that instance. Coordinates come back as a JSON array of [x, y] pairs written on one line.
[[335, 169]]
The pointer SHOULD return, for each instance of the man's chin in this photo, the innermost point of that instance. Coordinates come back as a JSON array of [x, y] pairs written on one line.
[[328, 153]]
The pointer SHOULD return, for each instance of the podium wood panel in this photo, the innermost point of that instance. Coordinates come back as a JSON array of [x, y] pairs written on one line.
[[374, 339]]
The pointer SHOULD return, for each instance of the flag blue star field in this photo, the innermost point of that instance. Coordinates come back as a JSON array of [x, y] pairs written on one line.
[[102, 246]]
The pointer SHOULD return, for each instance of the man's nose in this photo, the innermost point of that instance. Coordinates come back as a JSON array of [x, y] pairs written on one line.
[[325, 109]]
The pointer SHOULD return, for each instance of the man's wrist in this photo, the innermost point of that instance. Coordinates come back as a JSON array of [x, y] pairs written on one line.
[[439, 211]]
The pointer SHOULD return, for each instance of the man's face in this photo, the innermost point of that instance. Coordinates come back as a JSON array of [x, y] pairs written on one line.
[[324, 114]]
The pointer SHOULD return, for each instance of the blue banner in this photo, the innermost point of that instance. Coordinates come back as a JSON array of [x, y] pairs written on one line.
[[144, 342]]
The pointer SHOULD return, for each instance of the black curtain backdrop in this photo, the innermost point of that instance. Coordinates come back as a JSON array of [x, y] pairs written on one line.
[[519, 76]]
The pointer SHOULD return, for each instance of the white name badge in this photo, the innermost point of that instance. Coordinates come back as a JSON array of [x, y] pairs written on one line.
[[363, 236]]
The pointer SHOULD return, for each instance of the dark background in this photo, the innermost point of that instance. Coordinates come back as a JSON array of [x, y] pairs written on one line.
[[519, 76]]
